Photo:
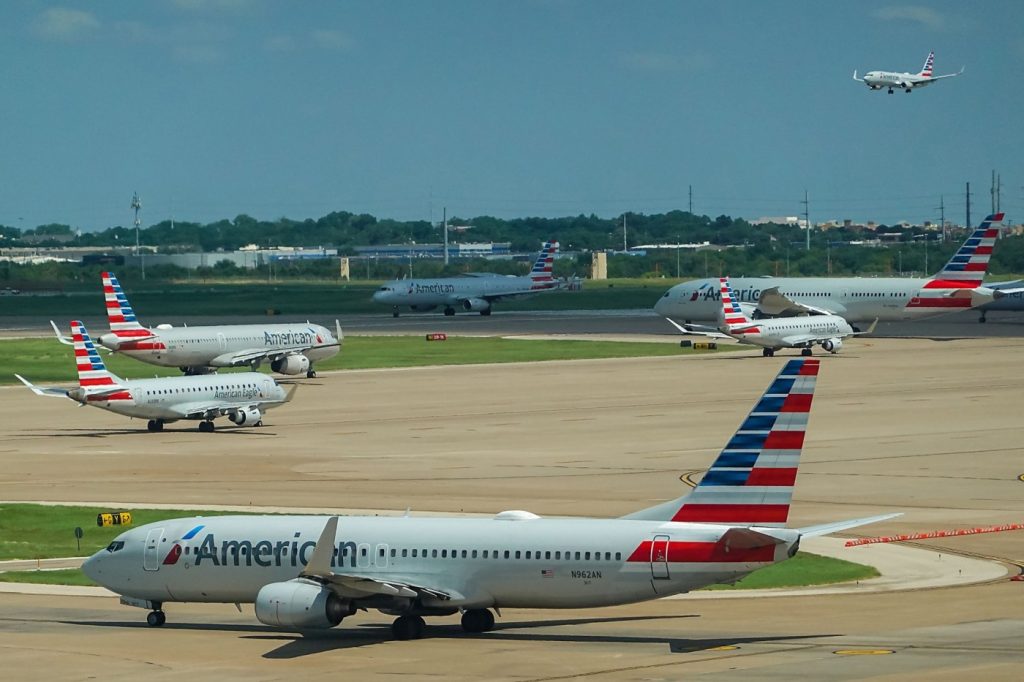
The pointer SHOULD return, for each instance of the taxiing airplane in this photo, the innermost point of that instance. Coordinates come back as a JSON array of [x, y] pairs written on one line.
[[242, 397], [307, 572], [958, 286], [876, 80], [472, 292], [289, 348], [803, 332]]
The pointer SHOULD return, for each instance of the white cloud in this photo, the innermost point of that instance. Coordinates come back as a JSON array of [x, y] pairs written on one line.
[[663, 61], [62, 23], [331, 39], [197, 54], [925, 16]]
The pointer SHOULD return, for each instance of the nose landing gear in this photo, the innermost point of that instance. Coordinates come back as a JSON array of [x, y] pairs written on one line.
[[156, 618]]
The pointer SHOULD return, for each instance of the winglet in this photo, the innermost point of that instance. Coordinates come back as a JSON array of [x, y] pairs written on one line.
[[60, 337], [319, 565], [340, 337], [869, 330], [291, 393], [855, 76]]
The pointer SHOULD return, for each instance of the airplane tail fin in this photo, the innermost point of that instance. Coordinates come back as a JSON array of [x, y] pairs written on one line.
[[120, 315], [92, 372], [751, 482], [732, 311], [967, 268], [542, 267], [929, 61]]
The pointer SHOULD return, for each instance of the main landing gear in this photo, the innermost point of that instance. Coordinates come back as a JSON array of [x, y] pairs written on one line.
[[806, 352], [394, 311], [982, 318], [311, 373], [408, 627], [155, 425], [478, 620], [768, 352], [156, 617], [206, 426], [449, 311]]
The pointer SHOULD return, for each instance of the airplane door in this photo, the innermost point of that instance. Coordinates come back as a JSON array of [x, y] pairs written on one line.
[[222, 342], [151, 552], [659, 557], [380, 557]]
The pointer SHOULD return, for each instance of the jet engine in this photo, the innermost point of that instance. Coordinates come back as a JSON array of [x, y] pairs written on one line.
[[300, 605], [250, 416], [291, 364], [476, 305], [832, 345]]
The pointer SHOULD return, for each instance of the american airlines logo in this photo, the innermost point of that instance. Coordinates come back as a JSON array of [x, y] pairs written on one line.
[[288, 338], [749, 295], [264, 553], [433, 288]]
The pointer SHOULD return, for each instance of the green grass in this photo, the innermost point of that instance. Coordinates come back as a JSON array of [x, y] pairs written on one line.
[[62, 576], [802, 570], [46, 360]]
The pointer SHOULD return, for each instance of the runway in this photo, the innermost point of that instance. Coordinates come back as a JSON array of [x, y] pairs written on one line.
[[917, 426]]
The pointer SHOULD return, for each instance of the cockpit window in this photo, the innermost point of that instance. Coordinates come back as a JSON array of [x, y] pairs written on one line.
[[115, 546], [384, 289]]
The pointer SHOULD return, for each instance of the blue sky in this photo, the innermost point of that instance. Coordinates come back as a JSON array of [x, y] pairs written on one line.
[[212, 108]]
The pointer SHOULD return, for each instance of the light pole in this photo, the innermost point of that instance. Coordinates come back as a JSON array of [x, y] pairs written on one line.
[[136, 205]]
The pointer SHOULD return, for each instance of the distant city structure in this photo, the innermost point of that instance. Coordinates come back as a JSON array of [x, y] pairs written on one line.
[[406, 251]]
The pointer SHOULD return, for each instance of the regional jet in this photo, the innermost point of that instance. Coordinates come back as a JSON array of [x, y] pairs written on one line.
[[289, 348], [804, 332], [957, 286], [472, 292], [309, 572], [242, 397], [876, 80]]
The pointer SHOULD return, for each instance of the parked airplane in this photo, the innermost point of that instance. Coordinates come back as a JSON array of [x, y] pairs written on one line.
[[306, 572], [1010, 296], [958, 286], [242, 397], [803, 332], [876, 80], [473, 292], [289, 348]]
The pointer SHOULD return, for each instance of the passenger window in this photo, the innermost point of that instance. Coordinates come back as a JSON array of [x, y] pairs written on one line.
[[518, 553]]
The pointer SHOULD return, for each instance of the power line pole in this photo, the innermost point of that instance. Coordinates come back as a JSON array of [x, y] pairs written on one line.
[[968, 225], [136, 205], [942, 216], [624, 247], [691, 199], [445, 214], [807, 219]]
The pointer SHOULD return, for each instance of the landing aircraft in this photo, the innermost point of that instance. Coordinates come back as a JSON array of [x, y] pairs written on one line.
[[803, 332], [472, 292], [289, 348], [876, 80], [242, 397], [957, 286], [308, 572]]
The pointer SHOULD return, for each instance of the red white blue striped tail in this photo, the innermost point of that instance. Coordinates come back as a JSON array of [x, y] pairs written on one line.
[[91, 370], [120, 315], [543, 266], [929, 62], [751, 482], [732, 313], [969, 264]]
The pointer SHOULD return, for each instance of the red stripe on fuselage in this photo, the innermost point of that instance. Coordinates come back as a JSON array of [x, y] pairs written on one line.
[[939, 303], [129, 346], [702, 552], [120, 395], [952, 284], [732, 513]]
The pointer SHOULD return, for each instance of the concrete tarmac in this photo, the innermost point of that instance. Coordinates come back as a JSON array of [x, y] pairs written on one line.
[[917, 426]]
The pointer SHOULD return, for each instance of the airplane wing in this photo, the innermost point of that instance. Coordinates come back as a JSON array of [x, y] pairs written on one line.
[[948, 75], [211, 410], [796, 340], [50, 392], [247, 357], [869, 330], [355, 585], [774, 302], [699, 330], [835, 527]]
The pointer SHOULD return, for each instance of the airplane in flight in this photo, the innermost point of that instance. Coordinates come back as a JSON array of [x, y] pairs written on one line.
[[772, 334], [957, 286], [472, 292], [308, 572], [876, 80], [289, 348], [242, 397]]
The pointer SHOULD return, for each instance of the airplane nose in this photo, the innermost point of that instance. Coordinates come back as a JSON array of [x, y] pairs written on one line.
[[91, 568], [661, 307]]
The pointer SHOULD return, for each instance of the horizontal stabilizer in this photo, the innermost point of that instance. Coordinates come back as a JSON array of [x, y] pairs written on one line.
[[41, 390], [745, 538], [837, 526]]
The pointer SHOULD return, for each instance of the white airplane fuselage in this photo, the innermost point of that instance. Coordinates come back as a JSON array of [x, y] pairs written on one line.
[[167, 398], [855, 299], [773, 333], [525, 563], [877, 80], [468, 293], [202, 346]]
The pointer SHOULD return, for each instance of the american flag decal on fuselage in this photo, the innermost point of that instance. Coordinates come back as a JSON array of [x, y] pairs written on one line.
[[751, 482]]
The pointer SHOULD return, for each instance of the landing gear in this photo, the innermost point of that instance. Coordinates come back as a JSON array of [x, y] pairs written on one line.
[[485, 312], [449, 311], [908, 91], [155, 425], [477, 620], [311, 373], [890, 91], [806, 352], [206, 426], [156, 618], [408, 627], [768, 352], [982, 318], [394, 311]]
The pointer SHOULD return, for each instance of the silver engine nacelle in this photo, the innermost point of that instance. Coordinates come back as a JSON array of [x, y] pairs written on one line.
[[249, 416], [832, 345], [291, 364], [300, 605], [475, 305]]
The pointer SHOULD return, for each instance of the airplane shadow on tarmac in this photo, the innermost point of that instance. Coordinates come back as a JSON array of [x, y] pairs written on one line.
[[93, 433]]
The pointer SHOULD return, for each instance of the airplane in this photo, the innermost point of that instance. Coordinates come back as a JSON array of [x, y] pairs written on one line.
[[876, 80], [289, 348], [772, 334], [309, 572], [957, 286], [472, 292], [242, 397], [1010, 298]]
